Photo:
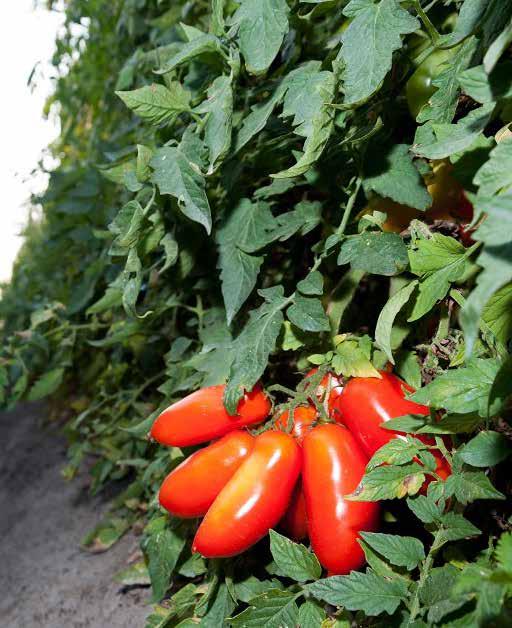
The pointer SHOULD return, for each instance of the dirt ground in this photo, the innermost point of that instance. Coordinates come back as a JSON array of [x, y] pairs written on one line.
[[46, 580]]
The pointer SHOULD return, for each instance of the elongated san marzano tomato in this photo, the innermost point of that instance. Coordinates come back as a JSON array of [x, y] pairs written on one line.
[[295, 520], [201, 416], [366, 402], [303, 419], [254, 500], [191, 488], [333, 465]]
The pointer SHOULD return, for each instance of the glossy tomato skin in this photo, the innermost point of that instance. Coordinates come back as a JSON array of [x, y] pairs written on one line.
[[333, 465], [419, 87], [201, 417], [367, 402], [303, 418], [254, 499], [295, 520], [191, 488]]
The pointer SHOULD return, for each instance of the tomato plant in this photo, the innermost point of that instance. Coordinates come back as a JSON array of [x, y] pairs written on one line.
[[240, 202]]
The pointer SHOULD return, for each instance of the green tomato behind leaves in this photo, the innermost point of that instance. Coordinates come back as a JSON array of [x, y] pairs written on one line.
[[419, 87]]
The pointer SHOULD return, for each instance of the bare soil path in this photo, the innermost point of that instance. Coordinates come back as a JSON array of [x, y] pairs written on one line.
[[46, 580]]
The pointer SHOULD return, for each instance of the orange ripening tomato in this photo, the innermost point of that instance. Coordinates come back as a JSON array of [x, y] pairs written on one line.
[[303, 418], [367, 402], [191, 488], [295, 520], [253, 500], [333, 465], [201, 416]]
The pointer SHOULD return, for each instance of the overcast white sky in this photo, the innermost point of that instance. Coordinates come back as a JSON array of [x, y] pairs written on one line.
[[26, 37]]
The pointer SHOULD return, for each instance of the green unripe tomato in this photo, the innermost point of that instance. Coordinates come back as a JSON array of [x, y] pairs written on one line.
[[419, 87]]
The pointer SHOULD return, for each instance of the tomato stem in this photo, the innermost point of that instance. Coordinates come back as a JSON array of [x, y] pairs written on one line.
[[429, 27]]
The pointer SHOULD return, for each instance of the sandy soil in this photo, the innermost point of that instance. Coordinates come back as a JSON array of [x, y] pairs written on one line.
[[46, 580]]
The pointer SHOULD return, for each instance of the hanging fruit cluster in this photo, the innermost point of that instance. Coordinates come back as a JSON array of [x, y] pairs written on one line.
[[296, 473]]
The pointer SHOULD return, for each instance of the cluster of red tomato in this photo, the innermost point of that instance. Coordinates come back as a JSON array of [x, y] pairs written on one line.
[[245, 485]]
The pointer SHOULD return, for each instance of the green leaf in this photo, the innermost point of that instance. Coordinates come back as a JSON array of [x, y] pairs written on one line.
[[239, 274], [176, 175], [455, 527], [156, 103], [309, 102], [497, 314], [380, 26], [468, 20], [135, 574], [498, 47], [439, 260], [461, 390], [163, 549], [312, 285], [374, 252], [251, 587], [495, 174], [487, 449], [262, 25], [504, 552], [447, 139], [273, 609], [105, 534], [484, 87], [307, 313], [496, 272], [468, 486], [202, 44], [361, 591], [311, 613], [249, 227], [501, 389], [425, 508], [442, 105], [393, 174], [396, 452], [219, 608], [387, 317], [144, 156], [389, 482], [46, 384], [217, 128], [294, 560], [452, 424], [253, 346], [351, 361], [403, 551], [124, 173]]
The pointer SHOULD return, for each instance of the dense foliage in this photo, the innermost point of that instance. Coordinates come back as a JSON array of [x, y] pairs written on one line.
[[242, 192]]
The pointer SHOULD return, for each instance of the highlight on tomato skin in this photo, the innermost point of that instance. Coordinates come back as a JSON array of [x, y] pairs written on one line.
[[201, 416], [254, 499], [333, 465], [295, 520], [303, 418], [191, 488], [367, 402]]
